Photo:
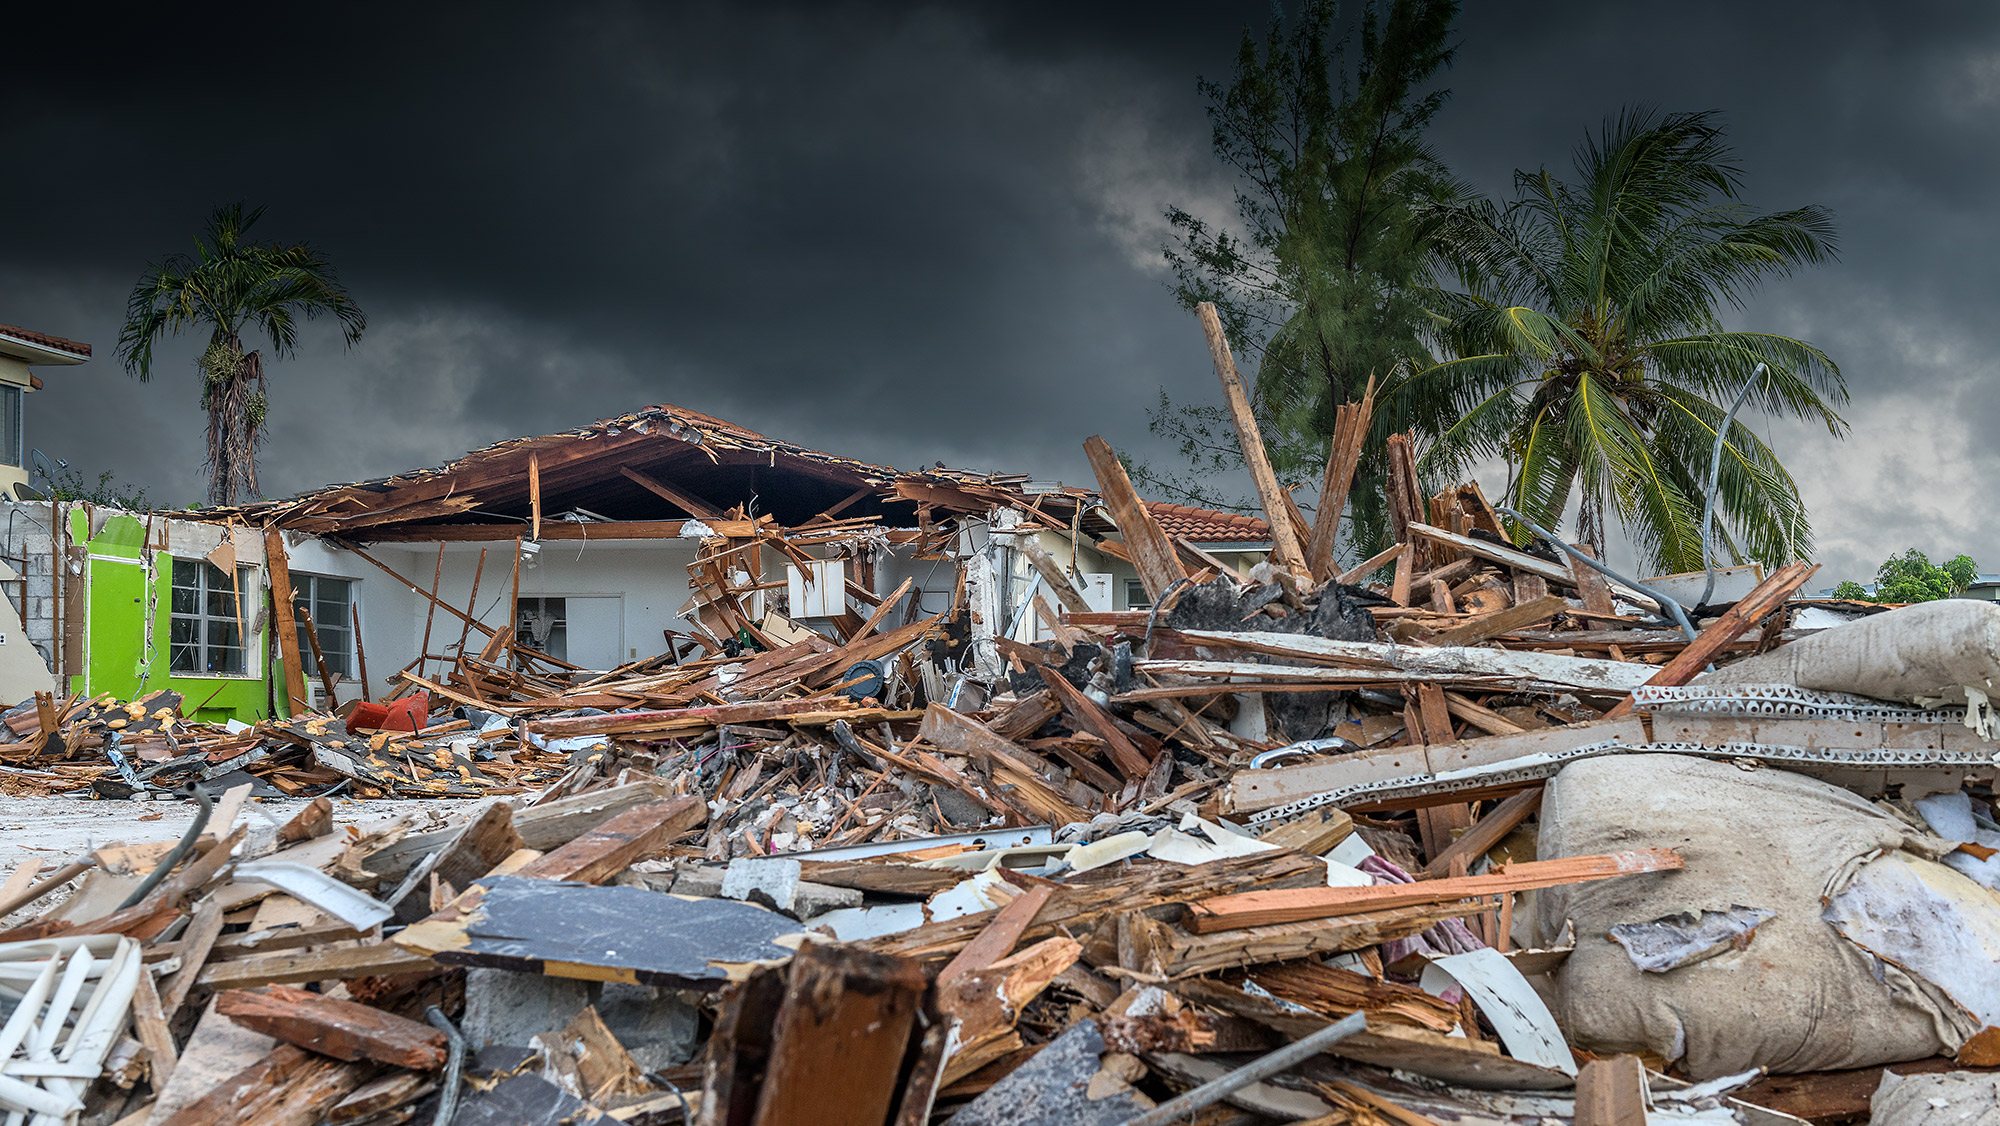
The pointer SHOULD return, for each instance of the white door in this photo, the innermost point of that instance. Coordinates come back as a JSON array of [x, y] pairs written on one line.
[[595, 625]]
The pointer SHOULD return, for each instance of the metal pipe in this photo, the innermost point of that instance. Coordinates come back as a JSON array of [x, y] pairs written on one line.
[[1714, 475], [1222, 1086], [454, 1065], [180, 851], [1669, 605]]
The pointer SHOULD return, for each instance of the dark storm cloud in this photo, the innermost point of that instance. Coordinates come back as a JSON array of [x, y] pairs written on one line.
[[911, 233]]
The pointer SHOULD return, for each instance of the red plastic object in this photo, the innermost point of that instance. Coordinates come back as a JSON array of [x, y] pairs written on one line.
[[411, 713]]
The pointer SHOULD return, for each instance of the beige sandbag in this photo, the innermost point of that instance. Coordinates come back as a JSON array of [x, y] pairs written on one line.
[[1797, 996], [1952, 1098], [1929, 652]]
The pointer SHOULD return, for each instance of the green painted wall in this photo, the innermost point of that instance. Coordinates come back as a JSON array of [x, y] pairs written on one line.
[[117, 655]]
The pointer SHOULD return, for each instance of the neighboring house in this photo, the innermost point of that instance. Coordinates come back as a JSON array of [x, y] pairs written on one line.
[[20, 350], [632, 537]]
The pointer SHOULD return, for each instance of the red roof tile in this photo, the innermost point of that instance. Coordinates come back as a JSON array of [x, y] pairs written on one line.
[[1205, 525], [45, 340]]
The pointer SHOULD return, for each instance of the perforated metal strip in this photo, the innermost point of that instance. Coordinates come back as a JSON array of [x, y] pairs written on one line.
[[1543, 766], [1782, 701]]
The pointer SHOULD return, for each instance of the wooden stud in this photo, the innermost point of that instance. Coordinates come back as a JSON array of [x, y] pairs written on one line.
[[535, 496], [694, 506], [361, 654], [1261, 908], [277, 565]]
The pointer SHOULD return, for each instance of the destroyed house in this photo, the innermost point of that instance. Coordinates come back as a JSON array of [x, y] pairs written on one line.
[[665, 533]]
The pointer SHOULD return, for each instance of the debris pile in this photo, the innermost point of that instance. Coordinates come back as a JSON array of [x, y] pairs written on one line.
[[1473, 831]]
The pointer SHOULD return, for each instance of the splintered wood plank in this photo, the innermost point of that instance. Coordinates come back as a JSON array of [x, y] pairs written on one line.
[[196, 942], [1054, 578], [1258, 908], [603, 1065], [1343, 456], [993, 943], [1314, 834], [315, 820], [485, 841], [1737, 620], [345, 1030], [321, 965], [216, 1050], [276, 564], [151, 1025], [840, 1037], [1152, 553], [617, 844], [1486, 832], [1611, 1092], [1287, 545], [1369, 565], [1519, 616], [1012, 765], [1591, 585], [1127, 757]]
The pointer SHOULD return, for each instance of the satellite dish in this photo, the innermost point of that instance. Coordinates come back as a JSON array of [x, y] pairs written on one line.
[[42, 475], [23, 492]]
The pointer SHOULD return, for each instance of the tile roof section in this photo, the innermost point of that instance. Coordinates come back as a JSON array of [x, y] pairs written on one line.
[[45, 340], [1205, 525]]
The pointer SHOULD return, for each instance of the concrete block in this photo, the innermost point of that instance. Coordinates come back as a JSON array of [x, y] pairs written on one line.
[[703, 882], [657, 1027], [504, 1007], [774, 882]]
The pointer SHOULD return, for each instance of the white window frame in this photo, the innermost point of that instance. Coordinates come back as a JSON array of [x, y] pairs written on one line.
[[305, 587], [248, 668]]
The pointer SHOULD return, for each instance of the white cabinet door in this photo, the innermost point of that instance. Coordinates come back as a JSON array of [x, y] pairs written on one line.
[[596, 630]]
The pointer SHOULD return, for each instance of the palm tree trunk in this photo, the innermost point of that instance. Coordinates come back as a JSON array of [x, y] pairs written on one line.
[[248, 424], [216, 395], [1590, 522]]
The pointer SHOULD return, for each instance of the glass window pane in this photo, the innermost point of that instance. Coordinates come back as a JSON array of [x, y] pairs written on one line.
[[181, 658], [185, 601], [225, 661], [10, 425], [187, 572], [184, 631], [222, 604]]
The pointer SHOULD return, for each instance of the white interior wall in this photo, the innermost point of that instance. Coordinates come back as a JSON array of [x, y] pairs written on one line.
[[649, 575]]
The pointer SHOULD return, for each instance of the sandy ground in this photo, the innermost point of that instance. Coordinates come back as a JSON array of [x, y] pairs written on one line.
[[57, 830]]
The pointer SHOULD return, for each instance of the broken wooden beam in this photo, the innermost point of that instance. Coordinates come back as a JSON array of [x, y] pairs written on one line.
[[345, 1030], [1291, 905]]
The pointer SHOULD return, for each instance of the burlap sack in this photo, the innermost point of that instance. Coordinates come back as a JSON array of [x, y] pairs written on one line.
[[1798, 996]]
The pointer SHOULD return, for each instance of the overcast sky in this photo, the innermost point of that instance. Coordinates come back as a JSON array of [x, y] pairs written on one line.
[[913, 233]]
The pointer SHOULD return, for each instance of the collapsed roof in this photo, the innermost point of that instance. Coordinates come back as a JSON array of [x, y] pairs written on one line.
[[646, 473]]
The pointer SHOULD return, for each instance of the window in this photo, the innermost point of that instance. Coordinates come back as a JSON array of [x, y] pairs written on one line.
[[330, 602], [544, 626], [205, 632], [1135, 596], [11, 437]]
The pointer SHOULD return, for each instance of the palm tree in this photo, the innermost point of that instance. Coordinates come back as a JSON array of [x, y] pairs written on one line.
[[229, 286], [1589, 351]]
